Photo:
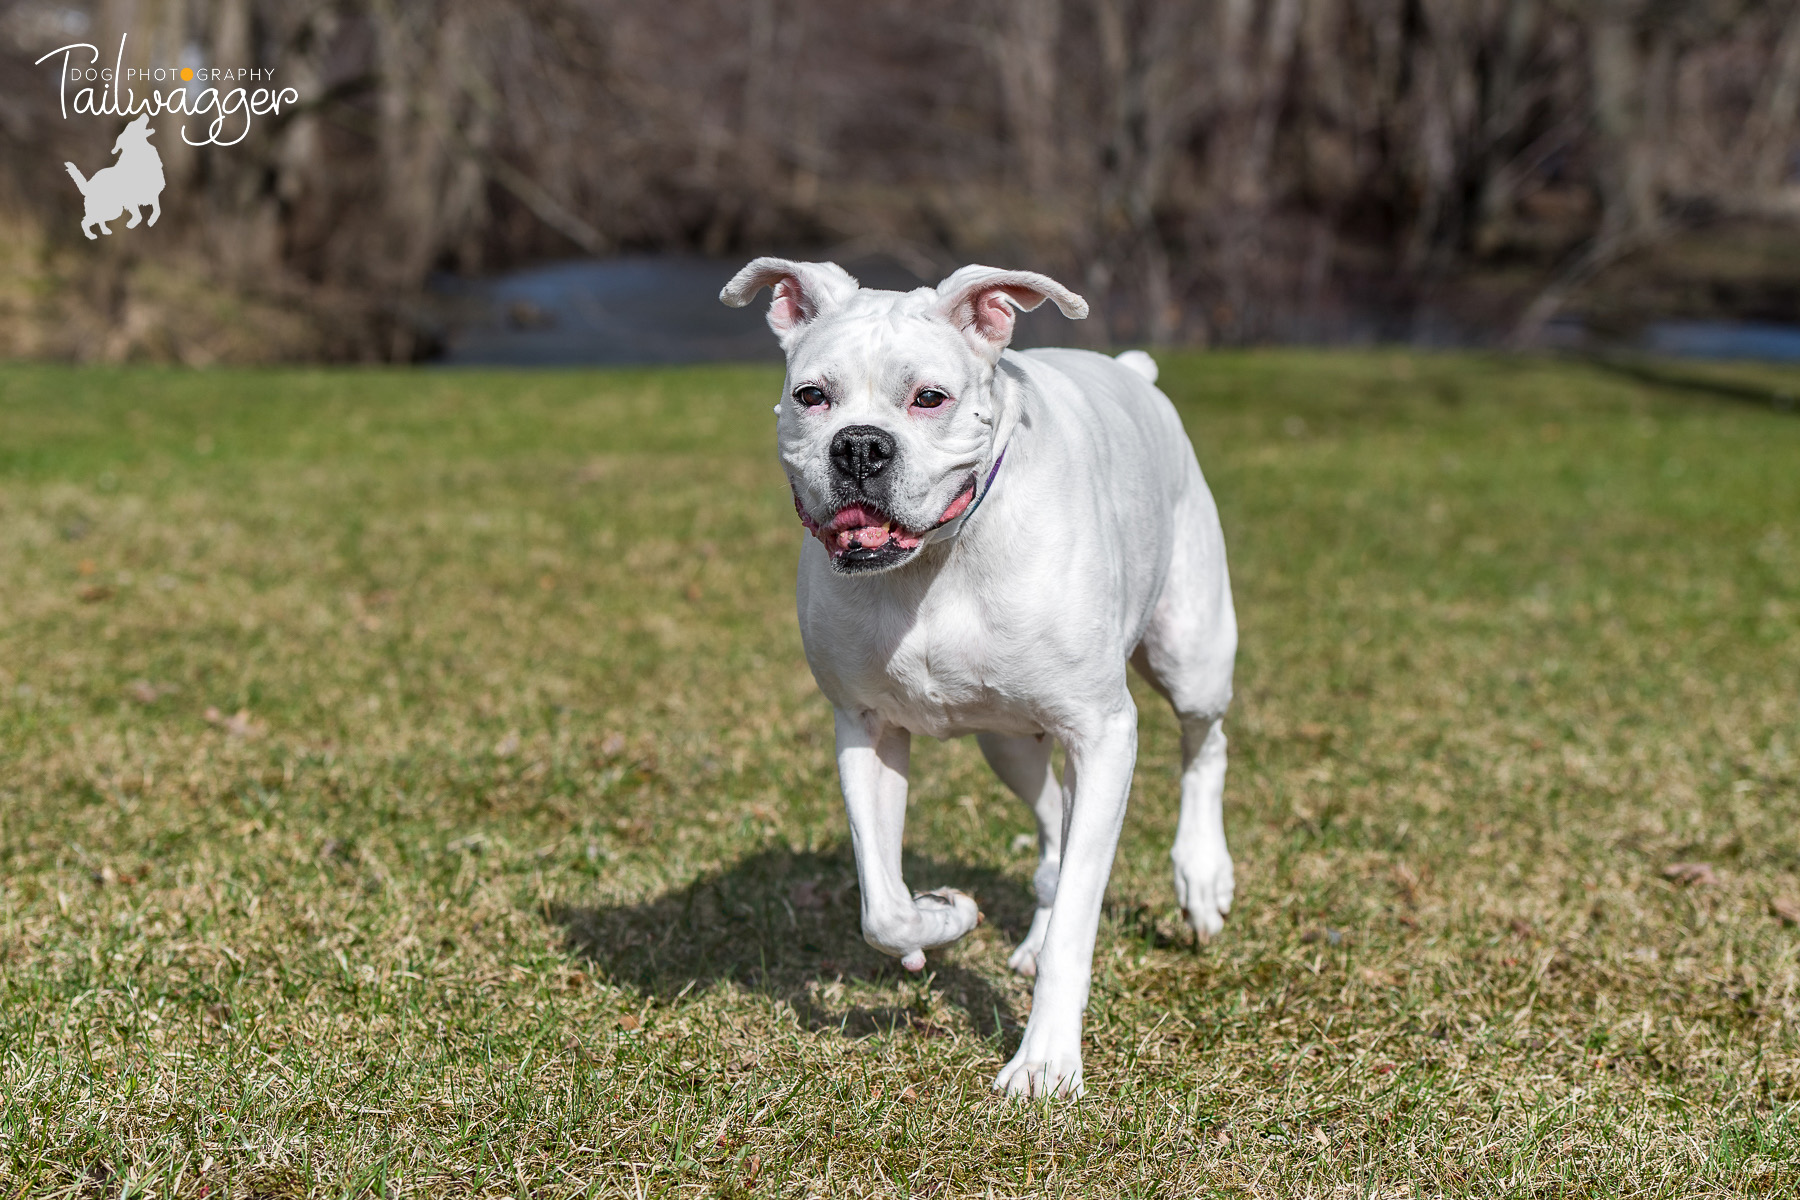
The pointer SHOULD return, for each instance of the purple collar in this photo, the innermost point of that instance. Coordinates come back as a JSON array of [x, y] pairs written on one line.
[[988, 486]]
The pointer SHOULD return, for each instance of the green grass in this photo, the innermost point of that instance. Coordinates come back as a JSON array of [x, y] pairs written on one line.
[[510, 860]]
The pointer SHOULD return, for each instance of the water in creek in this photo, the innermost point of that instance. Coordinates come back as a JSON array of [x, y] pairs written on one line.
[[653, 309]]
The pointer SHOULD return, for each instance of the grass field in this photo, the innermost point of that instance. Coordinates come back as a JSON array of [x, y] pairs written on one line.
[[410, 784]]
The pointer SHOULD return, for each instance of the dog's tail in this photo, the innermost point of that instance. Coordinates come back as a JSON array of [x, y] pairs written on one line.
[[1137, 361], [80, 179]]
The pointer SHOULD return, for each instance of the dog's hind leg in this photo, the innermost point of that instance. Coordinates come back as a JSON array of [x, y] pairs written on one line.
[[1023, 764], [872, 762], [1187, 654], [136, 217], [1204, 878], [155, 208]]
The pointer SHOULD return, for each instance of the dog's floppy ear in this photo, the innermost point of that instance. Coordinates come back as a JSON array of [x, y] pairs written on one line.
[[803, 290], [980, 302]]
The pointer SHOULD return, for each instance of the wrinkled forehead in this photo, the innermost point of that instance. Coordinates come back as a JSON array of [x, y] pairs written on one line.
[[884, 339]]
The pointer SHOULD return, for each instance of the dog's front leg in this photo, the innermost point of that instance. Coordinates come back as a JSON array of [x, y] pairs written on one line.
[[872, 761], [1097, 780]]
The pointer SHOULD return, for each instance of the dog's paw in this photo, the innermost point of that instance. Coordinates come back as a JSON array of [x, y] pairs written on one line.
[[1204, 885], [934, 918], [946, 915], [1049, 1059], [1030, 1077], [1024, 959]]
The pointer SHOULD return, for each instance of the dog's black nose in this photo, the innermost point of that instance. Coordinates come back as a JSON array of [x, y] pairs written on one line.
[[859, 451]]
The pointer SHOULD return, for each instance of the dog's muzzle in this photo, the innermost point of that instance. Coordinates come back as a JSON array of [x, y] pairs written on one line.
[[861, 536]]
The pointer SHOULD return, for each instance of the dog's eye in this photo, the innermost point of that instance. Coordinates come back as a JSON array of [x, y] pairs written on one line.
[[809, 395], [929, 398]]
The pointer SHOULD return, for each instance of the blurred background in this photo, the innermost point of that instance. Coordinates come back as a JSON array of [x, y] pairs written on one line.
[[571, 180]]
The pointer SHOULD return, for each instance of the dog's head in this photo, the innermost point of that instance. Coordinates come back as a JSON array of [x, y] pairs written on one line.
[[136, 133], [890, 411]]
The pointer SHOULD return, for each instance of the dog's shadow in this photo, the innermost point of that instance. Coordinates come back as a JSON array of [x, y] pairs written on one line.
[[782, 921]]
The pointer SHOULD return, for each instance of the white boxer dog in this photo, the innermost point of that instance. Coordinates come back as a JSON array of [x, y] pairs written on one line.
[[994, 535]]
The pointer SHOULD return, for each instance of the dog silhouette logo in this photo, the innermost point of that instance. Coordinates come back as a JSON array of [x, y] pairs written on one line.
[[131, 183]]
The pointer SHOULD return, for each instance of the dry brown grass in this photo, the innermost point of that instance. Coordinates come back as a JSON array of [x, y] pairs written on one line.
[[411, 784]]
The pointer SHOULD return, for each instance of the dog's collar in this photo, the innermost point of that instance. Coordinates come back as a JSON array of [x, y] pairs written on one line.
[[954, 525]]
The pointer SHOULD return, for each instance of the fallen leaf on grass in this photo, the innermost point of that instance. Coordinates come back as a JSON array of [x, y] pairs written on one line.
[[1786, 909], [634, 830], [908, 1094], [1691, 874], [755, 1169], [93, 593], [629, 1022], [360, 605], [145, 692], [808, 894], [239, 724]]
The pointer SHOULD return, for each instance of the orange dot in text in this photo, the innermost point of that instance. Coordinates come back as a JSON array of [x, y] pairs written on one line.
[[187, 73]]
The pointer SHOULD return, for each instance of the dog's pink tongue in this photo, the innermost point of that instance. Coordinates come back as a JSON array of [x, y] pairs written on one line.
[[869, 537]]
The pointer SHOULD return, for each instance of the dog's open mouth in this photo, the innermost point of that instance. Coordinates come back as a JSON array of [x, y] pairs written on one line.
[[864, 527], [861, 537]]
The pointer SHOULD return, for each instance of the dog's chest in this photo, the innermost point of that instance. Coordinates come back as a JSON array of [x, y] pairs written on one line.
[[938, 668]]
